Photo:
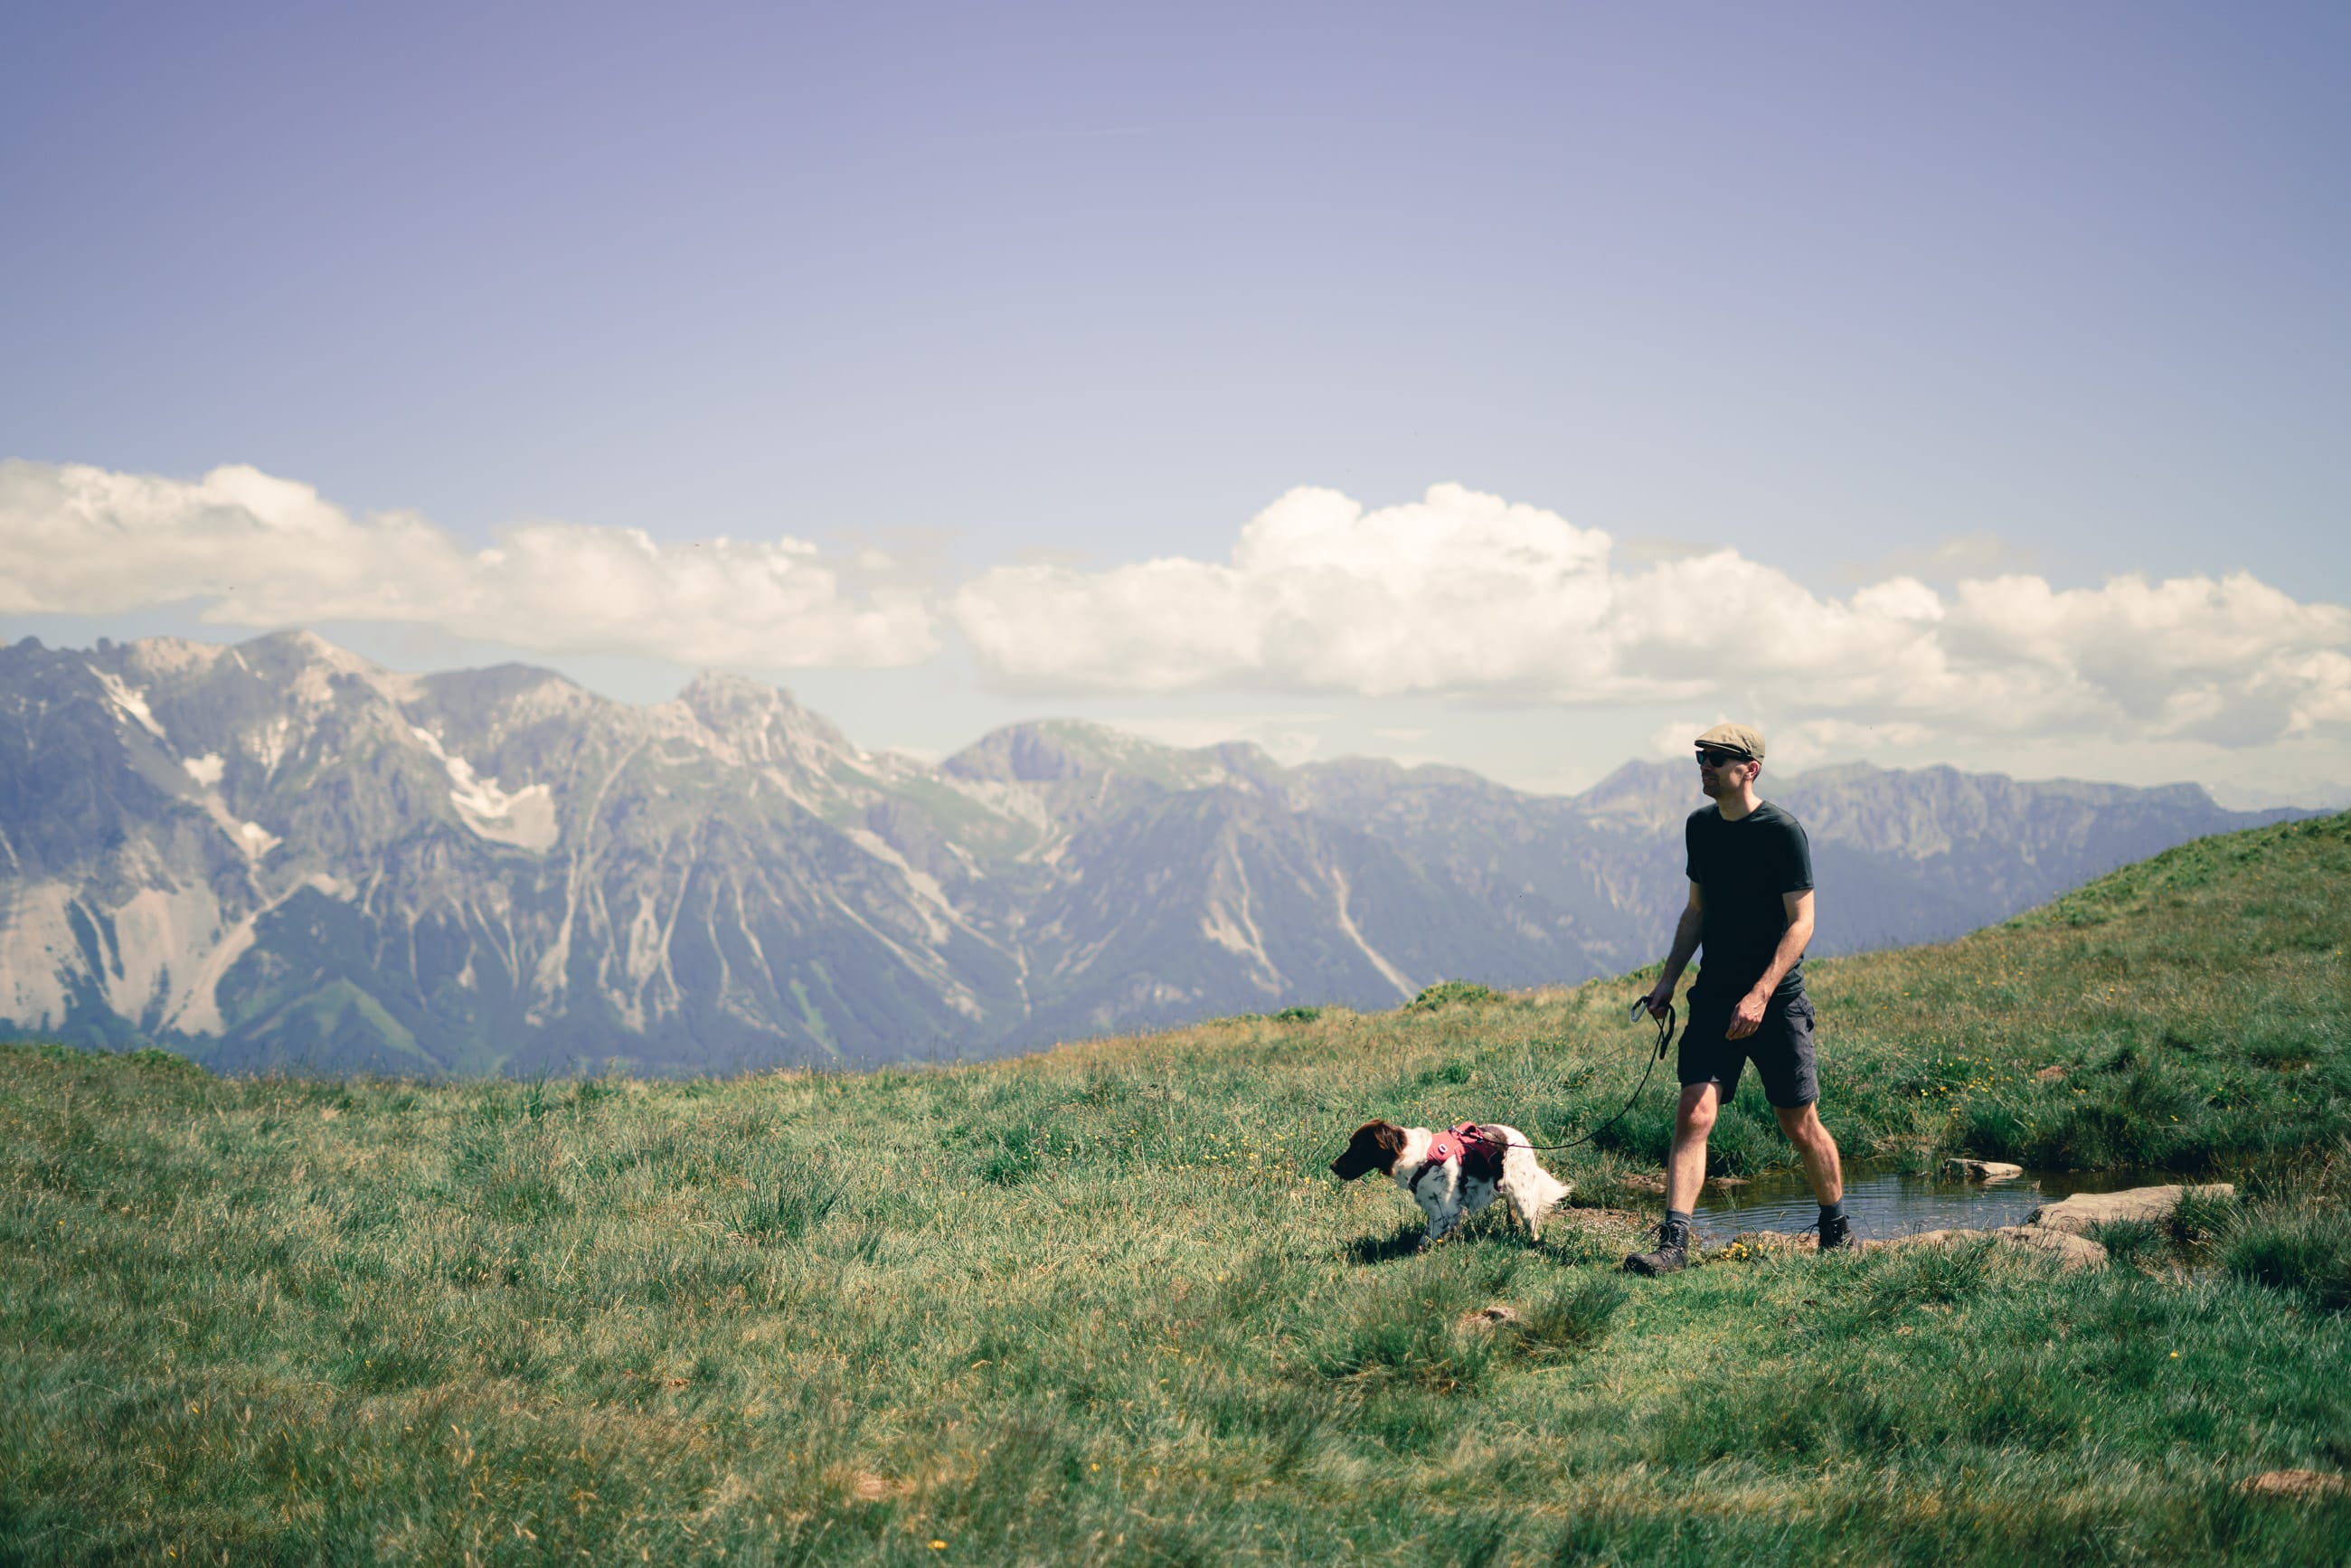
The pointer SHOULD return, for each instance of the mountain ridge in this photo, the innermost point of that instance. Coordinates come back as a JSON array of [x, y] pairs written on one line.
[[276, 853]]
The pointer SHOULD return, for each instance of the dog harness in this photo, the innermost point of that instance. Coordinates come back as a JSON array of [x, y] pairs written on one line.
[[1461, 1143], [1480, 1152]]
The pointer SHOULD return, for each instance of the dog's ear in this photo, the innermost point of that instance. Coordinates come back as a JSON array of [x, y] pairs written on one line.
[[1388, 1136]]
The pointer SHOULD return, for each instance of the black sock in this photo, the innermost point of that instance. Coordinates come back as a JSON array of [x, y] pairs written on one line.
[[1832, 1211], [1678, 1217]]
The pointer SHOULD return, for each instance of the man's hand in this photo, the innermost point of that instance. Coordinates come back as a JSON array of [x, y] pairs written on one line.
[[1748, 1015], [1660, 998]]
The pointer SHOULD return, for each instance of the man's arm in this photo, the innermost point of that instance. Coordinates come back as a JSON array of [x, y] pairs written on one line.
[[1686, 932], [1747, 1017]]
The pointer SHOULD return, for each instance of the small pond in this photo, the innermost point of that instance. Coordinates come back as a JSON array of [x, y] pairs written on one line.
[[1884, 1202]]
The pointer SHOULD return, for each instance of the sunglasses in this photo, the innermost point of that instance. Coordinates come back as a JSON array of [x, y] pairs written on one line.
[[1708, 757]]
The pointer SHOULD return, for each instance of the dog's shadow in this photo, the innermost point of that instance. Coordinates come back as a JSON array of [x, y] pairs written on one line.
[[1366, 1250], [1410, 1238]]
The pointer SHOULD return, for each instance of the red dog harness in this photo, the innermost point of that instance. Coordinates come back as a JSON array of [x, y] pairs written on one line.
[[1463, 1142], [1480, 1152]]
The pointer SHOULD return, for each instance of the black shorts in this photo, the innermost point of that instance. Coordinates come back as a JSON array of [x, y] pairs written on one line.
[[1780, 1047]]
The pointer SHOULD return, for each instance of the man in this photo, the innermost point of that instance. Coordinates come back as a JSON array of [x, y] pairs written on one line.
[[1751, 906]]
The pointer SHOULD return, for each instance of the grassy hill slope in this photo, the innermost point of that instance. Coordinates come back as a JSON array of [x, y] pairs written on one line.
[[1105, 1304]]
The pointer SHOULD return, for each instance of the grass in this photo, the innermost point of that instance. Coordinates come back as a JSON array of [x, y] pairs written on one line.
[[1105, 1304]]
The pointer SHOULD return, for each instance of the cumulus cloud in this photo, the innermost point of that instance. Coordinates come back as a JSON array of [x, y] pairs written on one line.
[[1463, 592], [1458, 594], [259, 550]]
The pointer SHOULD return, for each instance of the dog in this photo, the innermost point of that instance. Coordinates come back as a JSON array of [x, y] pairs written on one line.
[[1454, 1173]]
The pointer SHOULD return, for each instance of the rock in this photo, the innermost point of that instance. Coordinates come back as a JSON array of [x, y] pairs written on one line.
[[2073, 1252], [1492, 1317], [1725, 1181], [2077, 1214], [1983, 1170], [2049, 1074], [1642, 1181], [2295, 1484]]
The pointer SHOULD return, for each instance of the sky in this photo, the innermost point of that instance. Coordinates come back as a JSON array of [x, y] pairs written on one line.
[[1521, 388]]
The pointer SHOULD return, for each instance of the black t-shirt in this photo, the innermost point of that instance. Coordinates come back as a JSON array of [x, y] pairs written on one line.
[[1741, 868]]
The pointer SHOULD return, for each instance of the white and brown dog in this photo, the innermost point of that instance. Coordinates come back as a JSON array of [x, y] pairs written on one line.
[[1454, 1173]]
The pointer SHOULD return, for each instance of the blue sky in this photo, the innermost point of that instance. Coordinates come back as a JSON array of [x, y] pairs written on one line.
[[1857, 295]]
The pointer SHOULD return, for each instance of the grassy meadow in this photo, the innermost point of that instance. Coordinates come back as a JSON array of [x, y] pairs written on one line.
[[1105, 1304]]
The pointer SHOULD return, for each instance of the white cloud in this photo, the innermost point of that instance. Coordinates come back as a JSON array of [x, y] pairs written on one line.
[[1463, 592], [1458, 594], [258, 550]]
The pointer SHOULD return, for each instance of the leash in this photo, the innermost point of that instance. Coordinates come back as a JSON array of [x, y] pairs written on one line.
[[1666, 1027]]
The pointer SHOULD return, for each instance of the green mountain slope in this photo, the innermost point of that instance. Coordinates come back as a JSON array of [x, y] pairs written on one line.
[[1105, 1305]]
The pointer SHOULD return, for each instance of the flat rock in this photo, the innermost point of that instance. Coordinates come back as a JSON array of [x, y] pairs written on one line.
[[2294, 1483], [2073, 1253], [2049, 1074], [2077, 1214], [1983, 1170]]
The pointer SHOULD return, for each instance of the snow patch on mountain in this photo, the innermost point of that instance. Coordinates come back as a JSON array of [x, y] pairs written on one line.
[[205, 769], [524, 819], [129, 701]]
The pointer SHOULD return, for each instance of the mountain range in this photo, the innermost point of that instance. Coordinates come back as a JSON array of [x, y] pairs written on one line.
[[278, 854]]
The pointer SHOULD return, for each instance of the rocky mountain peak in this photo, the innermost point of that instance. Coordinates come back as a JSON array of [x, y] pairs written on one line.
[[762, 723], [1046, 752], [1051, 751], [1643, 797]]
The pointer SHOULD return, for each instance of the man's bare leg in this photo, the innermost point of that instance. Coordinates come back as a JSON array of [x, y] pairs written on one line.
[[1819, 1153], [1813, 1146], [1685, 1170], [1686, 1166]]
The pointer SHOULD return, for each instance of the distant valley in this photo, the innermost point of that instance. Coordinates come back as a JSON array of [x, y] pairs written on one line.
[[279, 855]]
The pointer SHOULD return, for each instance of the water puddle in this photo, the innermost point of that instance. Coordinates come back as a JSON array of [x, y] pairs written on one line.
[[1884, 1202]]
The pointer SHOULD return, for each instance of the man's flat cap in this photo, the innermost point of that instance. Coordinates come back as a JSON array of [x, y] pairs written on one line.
[[1736, 737]]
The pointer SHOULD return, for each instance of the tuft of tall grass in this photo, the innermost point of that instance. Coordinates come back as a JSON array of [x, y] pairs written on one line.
[[1570, 1318], [791, 1209], [1409, 1336], [1452, 993], [2306, 1250]]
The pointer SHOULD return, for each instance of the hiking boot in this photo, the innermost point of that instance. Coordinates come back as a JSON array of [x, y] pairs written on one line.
[[1836, 1233], [1672, 1253]]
